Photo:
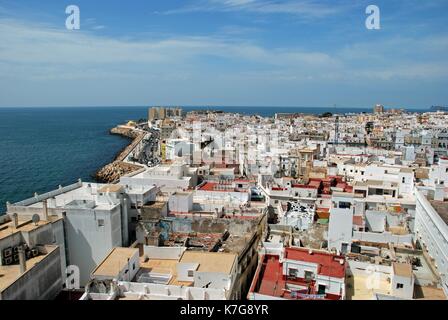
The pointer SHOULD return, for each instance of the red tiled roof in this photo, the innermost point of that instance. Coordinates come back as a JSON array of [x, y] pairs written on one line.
[[329, 263], [341, 185], [212, 186], [270, 281], [303, 186], [315, 183], [278, 189]]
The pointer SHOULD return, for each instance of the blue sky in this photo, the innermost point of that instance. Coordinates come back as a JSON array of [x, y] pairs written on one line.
[[224, 52]]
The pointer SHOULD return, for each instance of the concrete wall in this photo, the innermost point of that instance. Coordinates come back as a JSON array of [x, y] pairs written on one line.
[[432, 231], [41, 282], [88, 242], [340, 228], [407, 292], [215, 280], [165, 253], [376, 221], [181, 202], [170, 292], [384, 237]]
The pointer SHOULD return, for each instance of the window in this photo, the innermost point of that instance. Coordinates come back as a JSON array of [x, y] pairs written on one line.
[[191, 273], [403, 180], [100, 222], [292, 273], [345, 205], [133, 266], [309, 275], [321, 289], [399, 286]]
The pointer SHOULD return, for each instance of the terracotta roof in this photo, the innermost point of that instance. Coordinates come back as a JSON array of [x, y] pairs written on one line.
[[329, 264]]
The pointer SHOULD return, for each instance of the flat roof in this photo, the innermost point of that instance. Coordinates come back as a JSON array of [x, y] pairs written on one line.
[[213, 186], [114, 262], [84, 194], [329, 264], [429, 293], [10, 274], [442, 209], [402, 269], [24, 225], [210, 261], [358, 288], [163, 266], [111, 188]]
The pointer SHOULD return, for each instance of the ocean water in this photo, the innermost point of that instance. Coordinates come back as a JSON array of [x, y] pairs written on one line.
[[41, 148]]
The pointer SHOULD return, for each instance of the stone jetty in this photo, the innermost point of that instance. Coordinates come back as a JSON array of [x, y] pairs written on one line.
[[113, 171]]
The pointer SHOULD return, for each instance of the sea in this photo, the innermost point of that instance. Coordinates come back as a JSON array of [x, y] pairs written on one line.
[[42, 148]]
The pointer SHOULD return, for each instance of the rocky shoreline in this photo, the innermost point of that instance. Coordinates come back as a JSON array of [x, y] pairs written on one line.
[[113, 171]]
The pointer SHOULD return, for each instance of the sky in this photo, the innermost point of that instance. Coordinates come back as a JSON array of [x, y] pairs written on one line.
[[314, 53]]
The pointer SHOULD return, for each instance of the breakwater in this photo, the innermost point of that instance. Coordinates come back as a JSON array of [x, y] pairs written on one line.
[[118, 168]]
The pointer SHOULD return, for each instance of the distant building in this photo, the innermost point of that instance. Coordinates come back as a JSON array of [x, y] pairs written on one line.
[[161, 113], [167, 129], [378, 108]]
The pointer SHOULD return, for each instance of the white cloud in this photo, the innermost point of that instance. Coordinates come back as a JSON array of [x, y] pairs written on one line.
[[305, 8], [55, 60], [37, 46]]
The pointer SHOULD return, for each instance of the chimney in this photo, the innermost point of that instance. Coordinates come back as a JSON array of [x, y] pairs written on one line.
[[439, 191], [15, 220], [22, 260], [45, 204]]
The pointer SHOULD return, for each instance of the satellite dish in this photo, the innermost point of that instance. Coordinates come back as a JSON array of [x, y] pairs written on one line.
[[35, 218]]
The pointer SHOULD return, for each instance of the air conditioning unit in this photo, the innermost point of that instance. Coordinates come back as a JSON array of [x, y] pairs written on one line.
[[7, 252], [7, 261], [34, 252], [16, 257]]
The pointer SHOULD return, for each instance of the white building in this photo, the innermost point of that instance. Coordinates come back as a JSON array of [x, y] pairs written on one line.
[[96, 218], [367, 281], [31, 262], [164, 273], [342, 211], [431, 229]]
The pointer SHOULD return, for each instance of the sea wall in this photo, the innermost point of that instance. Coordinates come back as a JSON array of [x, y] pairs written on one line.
[[118, 168]]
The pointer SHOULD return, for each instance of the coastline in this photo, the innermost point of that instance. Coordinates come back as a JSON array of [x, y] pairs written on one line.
[[112, 172]]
